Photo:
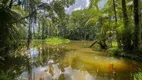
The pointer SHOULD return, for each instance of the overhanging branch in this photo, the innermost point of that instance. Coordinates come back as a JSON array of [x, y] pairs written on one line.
[[28, 15], [31, 12]]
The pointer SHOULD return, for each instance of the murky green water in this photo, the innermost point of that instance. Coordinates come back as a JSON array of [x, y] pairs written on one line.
[[73, 61]]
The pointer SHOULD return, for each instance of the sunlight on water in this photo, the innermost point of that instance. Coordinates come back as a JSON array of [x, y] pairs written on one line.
[[74, 61]]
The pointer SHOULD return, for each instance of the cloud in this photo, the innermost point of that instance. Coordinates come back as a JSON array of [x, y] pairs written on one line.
[[78, 8], [46, 1], [79, 4], [87, 3]]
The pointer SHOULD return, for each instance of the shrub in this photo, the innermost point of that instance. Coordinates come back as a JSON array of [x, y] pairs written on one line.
[[138, 76], [4, 76]]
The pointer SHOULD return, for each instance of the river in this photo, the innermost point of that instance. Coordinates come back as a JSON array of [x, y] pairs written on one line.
[[73, 61]]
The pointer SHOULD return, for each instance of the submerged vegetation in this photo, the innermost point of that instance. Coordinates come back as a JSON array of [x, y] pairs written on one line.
[[41, 33], [56, 41]]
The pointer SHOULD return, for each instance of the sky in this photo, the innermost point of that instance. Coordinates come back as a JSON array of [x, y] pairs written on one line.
[[79, 4], [82, 4]]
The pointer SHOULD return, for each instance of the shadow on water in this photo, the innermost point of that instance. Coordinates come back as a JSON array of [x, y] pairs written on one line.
[[72, 61]]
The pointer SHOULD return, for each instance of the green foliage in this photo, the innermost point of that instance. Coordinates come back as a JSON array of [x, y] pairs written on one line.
[[59, 9], [56, 41], [114, 44], [124, 36], [138, 76], [12, 31], [4, 76], [81, 25], [94, 4], [115, 51]]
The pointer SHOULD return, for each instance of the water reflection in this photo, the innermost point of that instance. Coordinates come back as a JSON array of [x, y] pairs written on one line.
[[74, 61], [33, 53], [54, 73]]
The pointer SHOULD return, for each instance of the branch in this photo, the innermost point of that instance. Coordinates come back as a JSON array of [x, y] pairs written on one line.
[[28, 15], [10, 4], [93, 44]]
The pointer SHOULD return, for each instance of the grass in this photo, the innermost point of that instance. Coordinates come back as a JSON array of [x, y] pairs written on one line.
[[56, 41]]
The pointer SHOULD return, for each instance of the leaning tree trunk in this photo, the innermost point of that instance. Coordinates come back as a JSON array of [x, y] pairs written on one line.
[[136, 23]]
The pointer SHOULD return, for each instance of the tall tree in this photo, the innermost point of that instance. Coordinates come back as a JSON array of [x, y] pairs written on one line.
[[114, 9], [125, 15], [126, 36], [136, 23], [115, 15]]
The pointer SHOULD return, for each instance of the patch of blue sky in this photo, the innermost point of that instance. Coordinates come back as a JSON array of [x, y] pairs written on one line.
[[78, 5], [82, 4]]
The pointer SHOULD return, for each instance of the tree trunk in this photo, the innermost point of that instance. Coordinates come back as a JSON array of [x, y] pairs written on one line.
[[29, 33], [39, 30], [92, 44], [136, 23], [43, 29], [114, 9], [125, 16], [126, 36], [29, 38], [140, 19]]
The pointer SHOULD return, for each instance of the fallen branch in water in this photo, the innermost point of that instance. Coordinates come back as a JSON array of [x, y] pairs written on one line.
[[103, 46]]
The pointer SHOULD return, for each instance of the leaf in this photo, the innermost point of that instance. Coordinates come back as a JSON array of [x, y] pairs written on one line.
[[91, 21]]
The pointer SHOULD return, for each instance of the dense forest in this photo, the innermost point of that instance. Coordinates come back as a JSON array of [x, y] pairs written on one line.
[[39, 34]]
